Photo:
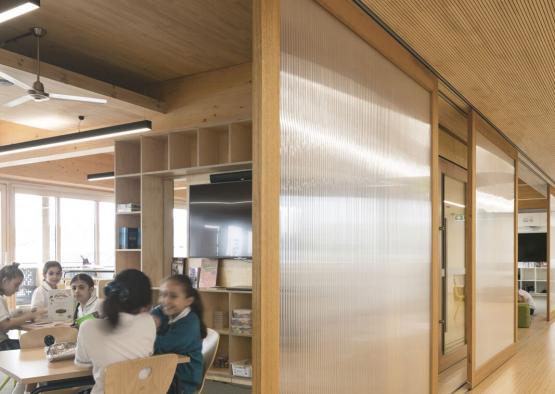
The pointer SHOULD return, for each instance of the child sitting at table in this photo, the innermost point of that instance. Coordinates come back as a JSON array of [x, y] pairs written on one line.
[[180, 329], [88, 304], [10, 279], [126, 332], [52, 274]]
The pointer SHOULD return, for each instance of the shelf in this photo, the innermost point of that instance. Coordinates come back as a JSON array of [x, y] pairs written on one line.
[[134, 175], [241, 381], [212, 290], [128, 250], [242, 335], [222, 331], [129, 213], [215, 373]]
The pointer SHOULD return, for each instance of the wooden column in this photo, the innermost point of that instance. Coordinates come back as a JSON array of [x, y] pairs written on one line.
[[266, 189]]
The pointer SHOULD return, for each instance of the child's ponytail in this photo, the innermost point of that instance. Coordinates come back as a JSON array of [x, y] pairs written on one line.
[[129, 292], [197, 307]]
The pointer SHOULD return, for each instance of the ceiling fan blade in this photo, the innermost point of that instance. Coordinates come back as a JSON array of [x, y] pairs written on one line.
[[14, 81], [77, 98], [18, 101]]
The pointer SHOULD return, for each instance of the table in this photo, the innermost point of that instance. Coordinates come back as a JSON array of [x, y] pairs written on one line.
[[31, 366]]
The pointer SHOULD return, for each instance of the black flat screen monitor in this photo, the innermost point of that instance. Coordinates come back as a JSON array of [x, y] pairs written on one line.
[[532, 247], [220, 220]]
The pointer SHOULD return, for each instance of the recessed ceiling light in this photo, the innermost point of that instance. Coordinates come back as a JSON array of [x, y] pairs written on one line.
[[10, 9]]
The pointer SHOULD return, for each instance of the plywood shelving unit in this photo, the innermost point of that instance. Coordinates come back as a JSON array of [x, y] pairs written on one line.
[[144, 171], [234, 347]]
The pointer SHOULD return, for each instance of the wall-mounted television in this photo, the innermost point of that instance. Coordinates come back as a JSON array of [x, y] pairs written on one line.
[[220, 220], [532, 247]]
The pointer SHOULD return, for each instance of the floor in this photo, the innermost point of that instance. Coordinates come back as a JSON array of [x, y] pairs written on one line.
[[209, 388], [532, 369]]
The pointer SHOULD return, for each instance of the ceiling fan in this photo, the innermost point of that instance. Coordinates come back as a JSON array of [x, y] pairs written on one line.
[[37, 92]]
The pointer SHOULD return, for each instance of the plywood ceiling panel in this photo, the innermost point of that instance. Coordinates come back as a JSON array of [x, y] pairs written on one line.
[[499, 54], [131, 43]]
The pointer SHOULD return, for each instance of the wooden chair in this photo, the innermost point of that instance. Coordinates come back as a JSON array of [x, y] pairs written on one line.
[[143, 375], [35, 338], [100, 284]]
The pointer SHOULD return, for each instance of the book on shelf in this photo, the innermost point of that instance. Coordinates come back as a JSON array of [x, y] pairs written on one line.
[[208, 273], [129, 238], [177, 265], [127, 207], [194, 274]]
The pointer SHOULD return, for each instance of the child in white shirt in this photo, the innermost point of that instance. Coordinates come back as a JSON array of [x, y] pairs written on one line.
[[82, 287], [10, 280], [126, 332], [52, 274]]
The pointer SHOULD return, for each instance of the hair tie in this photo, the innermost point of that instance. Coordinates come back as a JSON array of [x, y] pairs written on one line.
[[117, 289]]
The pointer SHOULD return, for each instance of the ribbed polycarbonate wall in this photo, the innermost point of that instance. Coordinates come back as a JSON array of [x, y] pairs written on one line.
[[495, 292], [552, 254], [355, 214]]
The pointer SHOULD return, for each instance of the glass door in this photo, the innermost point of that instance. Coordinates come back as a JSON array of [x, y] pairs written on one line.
[[453, 266]]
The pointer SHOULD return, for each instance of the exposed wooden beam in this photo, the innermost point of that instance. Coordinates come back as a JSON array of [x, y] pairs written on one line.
[[59, 74], [67, 172]]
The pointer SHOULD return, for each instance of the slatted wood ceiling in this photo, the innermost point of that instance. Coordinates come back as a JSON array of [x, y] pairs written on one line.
[[499, 54]]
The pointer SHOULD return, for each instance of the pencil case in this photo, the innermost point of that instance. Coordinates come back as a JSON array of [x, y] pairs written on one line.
[[60, 351]]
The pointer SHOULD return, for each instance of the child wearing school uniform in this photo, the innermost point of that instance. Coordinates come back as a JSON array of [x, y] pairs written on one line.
[[52, 274], [126, 332], [10, 280], [180, 329], [88, 304]]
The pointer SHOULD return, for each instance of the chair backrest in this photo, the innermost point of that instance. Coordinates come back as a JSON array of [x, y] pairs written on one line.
[[35, 338], [209, 348], [143, 375], [100, 285]]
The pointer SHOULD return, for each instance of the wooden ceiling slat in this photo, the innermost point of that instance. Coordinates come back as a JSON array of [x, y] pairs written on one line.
[[500, 55]]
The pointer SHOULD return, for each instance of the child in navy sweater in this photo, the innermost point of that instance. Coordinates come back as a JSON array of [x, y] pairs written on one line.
[[180, 329]]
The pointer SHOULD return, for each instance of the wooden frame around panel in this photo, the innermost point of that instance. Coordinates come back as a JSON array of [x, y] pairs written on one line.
[[456, 172], [550, 192], [471, 248], [475, 122], [435, 266], [266, 189]]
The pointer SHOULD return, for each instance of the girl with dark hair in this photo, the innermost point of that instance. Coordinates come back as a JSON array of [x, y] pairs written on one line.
[[52, 274], [10, 279], [180, 329], [126, 332], [88, 304]]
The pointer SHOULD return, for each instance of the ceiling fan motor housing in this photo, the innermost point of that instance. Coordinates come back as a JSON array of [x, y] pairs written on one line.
[[38, 93]]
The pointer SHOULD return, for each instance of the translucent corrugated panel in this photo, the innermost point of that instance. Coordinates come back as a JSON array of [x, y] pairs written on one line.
[[495, 292], [552, 254], [355, 214], [532, 179]]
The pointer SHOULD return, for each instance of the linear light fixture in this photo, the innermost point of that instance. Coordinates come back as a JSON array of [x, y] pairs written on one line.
[[89, 135], [10, 9], [100, 176]]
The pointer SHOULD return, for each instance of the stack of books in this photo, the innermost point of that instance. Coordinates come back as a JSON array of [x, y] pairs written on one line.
[[241, 322], [128, 207]]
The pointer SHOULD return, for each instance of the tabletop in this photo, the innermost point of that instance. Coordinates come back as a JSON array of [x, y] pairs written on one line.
[[31, 366]]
